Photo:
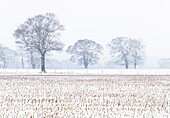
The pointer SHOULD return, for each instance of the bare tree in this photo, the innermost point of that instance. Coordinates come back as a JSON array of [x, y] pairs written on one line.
[[164, 63], [126, 51], [40, 34], [137, 52], [22, 55], [85, 52], [33, 59], [7, 56], [120, 51]]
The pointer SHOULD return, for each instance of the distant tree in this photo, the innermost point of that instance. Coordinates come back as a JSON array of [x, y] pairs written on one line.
[[137, 52], [120, 51], [33, 59], [22, 56], [164, 63], [110, 64], [85, 52], [40, 34], [126, 51], [7, 56], [28, 57]]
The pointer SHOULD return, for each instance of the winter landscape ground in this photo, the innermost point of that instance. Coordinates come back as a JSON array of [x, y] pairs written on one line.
[[84, 96]]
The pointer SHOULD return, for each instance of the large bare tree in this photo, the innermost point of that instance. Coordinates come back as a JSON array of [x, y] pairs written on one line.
[[126, 51], [40, 34], [85, 52]]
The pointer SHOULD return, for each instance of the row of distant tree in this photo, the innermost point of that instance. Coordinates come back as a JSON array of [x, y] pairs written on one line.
[[85, 52], [123, 50], [21, 59], [40, 35]]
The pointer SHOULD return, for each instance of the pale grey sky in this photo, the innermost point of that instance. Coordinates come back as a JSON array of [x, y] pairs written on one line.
[[98, 20]]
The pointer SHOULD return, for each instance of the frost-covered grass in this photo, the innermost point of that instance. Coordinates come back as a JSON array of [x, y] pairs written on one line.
[[84, 96]]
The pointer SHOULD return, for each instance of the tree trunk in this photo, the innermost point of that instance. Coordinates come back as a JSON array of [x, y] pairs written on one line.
[[33, 66], [43, 63], [32, 61], [126, 64], [22, 61], [85, 62], [85, 66], [4, 64], [134, 65]]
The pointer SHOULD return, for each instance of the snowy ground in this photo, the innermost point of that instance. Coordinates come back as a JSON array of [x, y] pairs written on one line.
[[87, 71], [80, 96]]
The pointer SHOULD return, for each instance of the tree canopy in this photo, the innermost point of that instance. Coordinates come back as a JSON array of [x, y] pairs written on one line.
[[126, 51], [85, 52]]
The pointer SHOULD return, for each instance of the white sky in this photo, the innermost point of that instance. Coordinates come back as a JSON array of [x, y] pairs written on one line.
[[98, 20]]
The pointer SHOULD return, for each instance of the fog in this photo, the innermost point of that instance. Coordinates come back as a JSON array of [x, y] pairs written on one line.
[[98, 20]]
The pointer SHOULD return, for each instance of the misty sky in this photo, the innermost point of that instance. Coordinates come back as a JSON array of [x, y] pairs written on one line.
[[98, 20]]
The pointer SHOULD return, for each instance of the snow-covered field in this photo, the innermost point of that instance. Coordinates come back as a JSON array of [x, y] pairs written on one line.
[[87, 71], [84, 96]]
